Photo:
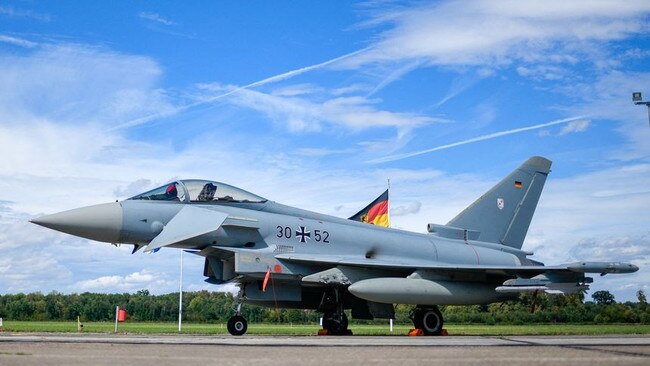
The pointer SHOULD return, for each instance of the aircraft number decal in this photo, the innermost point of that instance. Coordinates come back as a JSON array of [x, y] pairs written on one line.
[[302, 234], [323, 236], [283, 232]]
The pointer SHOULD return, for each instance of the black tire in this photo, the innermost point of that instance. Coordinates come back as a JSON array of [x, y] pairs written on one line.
[[429, 320], [334, 324], [237, 325], [416, 316]]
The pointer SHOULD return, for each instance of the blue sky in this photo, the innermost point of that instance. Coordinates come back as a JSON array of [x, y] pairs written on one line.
[[316, 105]]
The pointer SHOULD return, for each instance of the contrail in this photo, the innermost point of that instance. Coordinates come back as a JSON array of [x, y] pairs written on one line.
[[269, 80], [474, 139]]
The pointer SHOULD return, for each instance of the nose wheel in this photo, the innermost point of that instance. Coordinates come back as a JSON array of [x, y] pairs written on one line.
[[428, 319], [237, 325]]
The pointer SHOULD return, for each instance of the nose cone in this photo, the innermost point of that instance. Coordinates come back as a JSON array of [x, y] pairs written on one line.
[[99, 222]]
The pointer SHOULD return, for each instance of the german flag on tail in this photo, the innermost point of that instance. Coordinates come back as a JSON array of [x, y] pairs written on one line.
[[375, 213]]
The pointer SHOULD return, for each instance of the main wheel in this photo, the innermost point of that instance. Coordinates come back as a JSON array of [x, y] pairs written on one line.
[[237, 325], [429, 320], [335, 324]]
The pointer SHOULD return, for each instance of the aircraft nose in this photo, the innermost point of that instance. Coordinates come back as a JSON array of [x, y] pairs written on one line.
[[99, 222]]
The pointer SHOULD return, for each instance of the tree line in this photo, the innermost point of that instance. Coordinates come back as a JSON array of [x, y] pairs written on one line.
[[217, 307]]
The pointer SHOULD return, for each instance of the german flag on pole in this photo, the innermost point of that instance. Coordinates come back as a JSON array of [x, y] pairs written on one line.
[[375, 213]]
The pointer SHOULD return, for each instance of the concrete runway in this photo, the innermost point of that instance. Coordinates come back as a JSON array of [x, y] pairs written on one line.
[[120, 349]]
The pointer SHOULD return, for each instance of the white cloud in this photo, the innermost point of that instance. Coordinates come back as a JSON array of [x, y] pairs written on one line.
[[133, 188], [223, 93], [394, 74], [351, 89], [458, 86], [321, 152], [155, 17], [10, 11], [635, 249], [306, 114], [26, 272], [542, 72], [490, 136], [130, 283], [69, 82], [609, 98], [498, 32], [411, 208], [297, 90], [575, 126], [17, 41]]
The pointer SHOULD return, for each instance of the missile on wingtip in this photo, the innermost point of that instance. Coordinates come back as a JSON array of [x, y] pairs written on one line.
[[602, 267]]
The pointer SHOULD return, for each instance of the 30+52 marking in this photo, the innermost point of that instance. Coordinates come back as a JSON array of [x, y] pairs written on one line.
[[321, 236]]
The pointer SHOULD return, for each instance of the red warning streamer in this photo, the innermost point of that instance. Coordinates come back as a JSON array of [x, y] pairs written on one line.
[[266, 280]]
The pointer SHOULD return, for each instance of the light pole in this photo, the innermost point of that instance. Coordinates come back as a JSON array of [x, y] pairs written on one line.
[[637, 98], [180, 298]]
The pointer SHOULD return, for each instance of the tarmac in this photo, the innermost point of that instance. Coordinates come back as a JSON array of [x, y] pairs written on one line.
[[126, 349]]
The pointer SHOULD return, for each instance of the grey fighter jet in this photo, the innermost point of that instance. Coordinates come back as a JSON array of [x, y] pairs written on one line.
[[331, 264]]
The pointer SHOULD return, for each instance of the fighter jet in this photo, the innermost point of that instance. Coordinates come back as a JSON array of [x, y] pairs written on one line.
[[288, 257]]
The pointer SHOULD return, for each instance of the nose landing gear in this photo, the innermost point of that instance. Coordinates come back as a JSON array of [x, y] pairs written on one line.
[[237, 324]]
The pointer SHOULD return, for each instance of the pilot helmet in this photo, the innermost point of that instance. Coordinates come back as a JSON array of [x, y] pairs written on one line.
[[171, 190]]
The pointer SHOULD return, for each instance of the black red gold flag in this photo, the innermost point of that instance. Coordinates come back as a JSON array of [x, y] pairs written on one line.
[[375, 213]]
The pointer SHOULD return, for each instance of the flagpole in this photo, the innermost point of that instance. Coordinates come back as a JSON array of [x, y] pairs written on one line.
[[388, 203], [180, 297]]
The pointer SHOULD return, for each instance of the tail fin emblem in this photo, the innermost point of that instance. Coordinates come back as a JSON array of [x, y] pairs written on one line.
[[500, 203]]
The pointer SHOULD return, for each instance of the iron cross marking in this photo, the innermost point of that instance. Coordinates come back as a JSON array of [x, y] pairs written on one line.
[[303, 234]]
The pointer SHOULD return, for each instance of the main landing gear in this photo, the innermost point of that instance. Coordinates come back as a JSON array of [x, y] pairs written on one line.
[[237, 324], [335, 322], [428, 319]]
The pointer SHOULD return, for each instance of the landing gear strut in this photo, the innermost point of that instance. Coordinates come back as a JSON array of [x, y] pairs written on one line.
[[237, 324], [334, 319], [428, 319]]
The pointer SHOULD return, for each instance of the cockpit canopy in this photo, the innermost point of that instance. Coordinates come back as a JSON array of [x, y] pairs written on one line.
[[195, 190]]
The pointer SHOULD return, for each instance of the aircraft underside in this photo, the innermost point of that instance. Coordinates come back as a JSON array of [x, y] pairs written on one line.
[[332, 301]]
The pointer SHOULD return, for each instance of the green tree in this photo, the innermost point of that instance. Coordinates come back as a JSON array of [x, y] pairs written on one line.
[[197, 310], [603, 297], [54, 306], [20, 308]]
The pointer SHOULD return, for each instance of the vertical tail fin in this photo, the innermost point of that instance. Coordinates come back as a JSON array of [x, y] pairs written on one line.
[[503, 214]]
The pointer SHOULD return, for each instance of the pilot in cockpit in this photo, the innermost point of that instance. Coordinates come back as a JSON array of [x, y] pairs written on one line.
[[207, 193], [171, 194]]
